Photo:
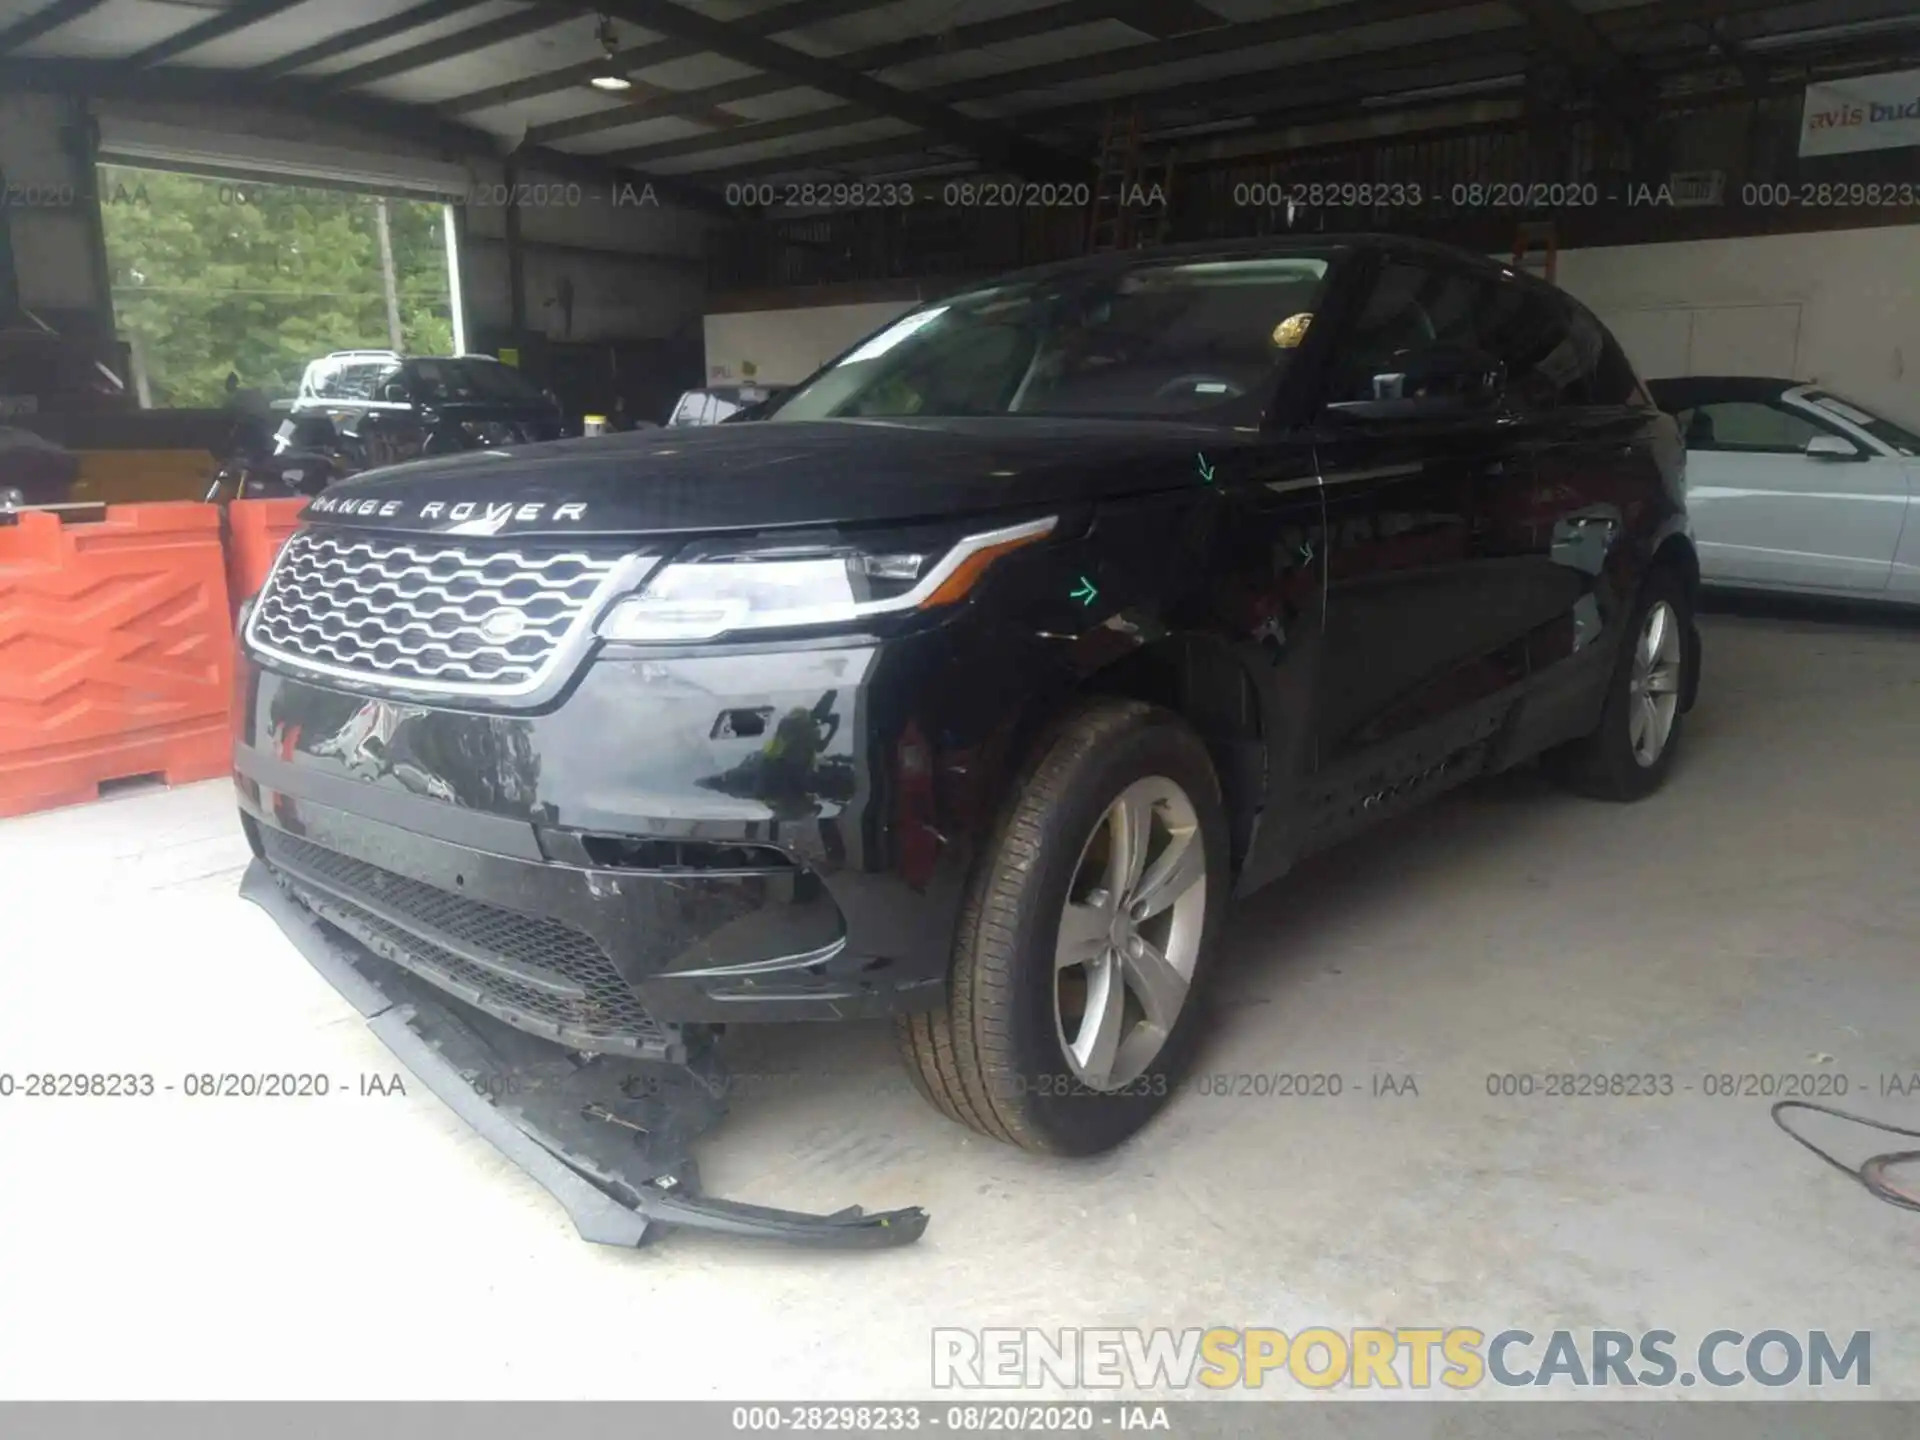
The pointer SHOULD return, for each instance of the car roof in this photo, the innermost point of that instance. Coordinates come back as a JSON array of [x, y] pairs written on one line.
[[1275, 246]]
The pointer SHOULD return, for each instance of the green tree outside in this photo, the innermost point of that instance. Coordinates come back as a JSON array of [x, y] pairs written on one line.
[[212, 276]]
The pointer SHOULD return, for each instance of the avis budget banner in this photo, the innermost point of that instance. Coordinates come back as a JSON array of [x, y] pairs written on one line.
[[1867, 112]]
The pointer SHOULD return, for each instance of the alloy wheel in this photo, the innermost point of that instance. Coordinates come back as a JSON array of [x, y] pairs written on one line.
[[1130, 934], [1653, 684]]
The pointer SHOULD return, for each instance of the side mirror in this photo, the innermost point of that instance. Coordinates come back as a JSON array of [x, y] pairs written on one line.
[[1432, 383], [1833, 447], [395, 393]]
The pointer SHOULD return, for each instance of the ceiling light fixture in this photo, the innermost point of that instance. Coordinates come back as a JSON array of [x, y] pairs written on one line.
[[608, 74]]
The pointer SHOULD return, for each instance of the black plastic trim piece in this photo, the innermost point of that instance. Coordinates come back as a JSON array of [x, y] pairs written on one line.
[[608, 1204], [473, 829]]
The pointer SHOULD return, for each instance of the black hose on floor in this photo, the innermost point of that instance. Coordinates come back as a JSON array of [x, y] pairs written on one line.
[[1873, 1173]]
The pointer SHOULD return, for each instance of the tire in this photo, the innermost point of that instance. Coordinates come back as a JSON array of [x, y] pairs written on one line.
[[1611, 763], [999, 1055]]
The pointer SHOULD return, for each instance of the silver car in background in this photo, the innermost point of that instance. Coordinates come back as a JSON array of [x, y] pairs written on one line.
[[1792, 488]]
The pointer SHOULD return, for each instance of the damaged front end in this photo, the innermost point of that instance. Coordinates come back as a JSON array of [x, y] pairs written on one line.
[[608, 1135]]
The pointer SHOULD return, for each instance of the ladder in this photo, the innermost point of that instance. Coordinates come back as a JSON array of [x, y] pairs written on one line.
[[1158, 226], [1113, 224], [1536, 247]]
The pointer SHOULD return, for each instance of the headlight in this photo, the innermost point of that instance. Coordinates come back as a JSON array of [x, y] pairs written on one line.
[[715, 592]]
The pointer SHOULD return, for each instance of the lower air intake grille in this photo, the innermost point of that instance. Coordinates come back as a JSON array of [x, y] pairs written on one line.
[[569, 992]]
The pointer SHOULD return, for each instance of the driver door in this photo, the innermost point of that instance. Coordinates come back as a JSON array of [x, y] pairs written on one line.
[[1766, 512]]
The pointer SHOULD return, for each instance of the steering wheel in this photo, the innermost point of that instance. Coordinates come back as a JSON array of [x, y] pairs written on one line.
[[1190, 385]]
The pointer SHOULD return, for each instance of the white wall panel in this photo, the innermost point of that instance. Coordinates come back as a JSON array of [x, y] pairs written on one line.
[[1841, 307], [784, 346]]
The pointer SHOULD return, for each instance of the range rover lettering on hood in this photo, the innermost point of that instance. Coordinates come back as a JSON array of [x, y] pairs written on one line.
[[497, 512]]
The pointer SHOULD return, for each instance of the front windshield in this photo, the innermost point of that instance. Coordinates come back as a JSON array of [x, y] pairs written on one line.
[[1161, 339], [1902, 438], [441, 382]]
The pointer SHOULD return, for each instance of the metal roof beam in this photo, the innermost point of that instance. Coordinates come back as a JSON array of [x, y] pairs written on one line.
[[462, 42], [362, 36], [1571, 37], [248, 12], [1752, 73], [774, 20], [749, 87], [1027, 23], [32, 27], [1314, 78], [431, 134], [1292, 26], [993, 143], [1164, 19], [1496, 44]]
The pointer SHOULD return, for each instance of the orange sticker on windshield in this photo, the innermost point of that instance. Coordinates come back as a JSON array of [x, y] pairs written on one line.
[[1292, 330]]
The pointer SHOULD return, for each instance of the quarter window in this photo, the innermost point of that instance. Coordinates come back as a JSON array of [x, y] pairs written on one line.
[[1547, 358]]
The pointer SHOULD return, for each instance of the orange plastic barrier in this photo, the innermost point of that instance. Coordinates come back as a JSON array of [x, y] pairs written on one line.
[[256, 529], [115, 652]]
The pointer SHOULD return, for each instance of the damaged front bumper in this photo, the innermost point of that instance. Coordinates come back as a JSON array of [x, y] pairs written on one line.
[[608, 1136]]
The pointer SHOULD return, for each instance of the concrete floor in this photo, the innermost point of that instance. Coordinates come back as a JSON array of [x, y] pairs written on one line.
[[1759, 915]]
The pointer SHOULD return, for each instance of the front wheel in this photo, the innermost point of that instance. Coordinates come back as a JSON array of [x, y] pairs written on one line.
[[1629, 755], [1072, 1010]]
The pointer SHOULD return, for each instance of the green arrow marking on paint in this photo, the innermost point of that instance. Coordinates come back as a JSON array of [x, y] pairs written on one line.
[[1084, 591], [1206, 470]]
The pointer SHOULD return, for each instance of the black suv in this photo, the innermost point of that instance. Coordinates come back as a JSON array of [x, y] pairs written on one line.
[[966, 687], [375, 407]]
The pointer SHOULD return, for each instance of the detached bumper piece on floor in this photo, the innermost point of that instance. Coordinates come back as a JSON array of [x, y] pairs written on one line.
[[609, 1137]]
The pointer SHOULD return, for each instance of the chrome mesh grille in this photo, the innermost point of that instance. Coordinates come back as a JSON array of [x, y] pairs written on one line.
[[424, 614]]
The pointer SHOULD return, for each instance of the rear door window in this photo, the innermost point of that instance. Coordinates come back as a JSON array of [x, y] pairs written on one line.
[[1554, 353], [1412, 306]]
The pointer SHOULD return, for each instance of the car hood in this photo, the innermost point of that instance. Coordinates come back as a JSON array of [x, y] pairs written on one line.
[[769, 474]]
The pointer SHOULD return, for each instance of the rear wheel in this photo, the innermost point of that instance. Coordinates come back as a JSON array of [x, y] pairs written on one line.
[[1629, 755], [1071, 1013]]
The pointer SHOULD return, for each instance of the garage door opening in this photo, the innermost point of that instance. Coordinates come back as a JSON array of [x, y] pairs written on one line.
[[213, 277]]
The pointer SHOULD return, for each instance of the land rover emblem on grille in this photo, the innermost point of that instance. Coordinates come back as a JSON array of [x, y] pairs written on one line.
[[502, 625]]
